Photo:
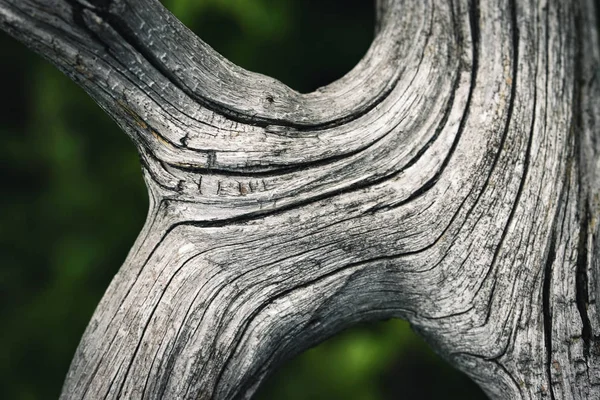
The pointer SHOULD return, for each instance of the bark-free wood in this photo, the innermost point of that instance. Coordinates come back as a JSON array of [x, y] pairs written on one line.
[[452, 178]]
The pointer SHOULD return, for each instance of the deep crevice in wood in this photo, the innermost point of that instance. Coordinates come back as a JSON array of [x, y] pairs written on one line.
[[547, 309], [582, 297], [581, 279]]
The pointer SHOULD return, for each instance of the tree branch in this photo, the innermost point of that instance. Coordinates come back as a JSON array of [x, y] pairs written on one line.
[[451, 179]]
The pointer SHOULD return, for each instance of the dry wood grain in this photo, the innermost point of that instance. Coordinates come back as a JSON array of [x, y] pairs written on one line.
[[451, 178]]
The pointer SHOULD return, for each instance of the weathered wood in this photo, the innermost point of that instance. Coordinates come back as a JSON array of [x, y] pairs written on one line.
[[452, 178]]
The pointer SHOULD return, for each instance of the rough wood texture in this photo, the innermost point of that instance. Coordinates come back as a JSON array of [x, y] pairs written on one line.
[[452, 178]]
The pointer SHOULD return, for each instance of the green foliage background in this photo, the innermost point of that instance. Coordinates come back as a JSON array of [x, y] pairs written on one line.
[[73, 201]]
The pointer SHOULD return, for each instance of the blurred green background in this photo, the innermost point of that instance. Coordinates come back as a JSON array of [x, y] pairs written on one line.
[[72, 202]]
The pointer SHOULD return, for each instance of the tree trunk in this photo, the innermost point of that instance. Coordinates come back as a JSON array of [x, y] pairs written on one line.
[[451, 178]]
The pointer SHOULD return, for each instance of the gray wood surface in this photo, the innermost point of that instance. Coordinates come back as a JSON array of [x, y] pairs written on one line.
[[451, 178]]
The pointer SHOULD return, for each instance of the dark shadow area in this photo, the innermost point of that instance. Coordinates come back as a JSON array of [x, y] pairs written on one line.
[[376, 361]]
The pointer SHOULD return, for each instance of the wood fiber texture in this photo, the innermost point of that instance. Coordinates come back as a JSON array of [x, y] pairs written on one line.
[[452, 178]]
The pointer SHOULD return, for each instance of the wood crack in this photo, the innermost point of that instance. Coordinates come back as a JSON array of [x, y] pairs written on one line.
[[582, 296], [547, 311], [581, 274]]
